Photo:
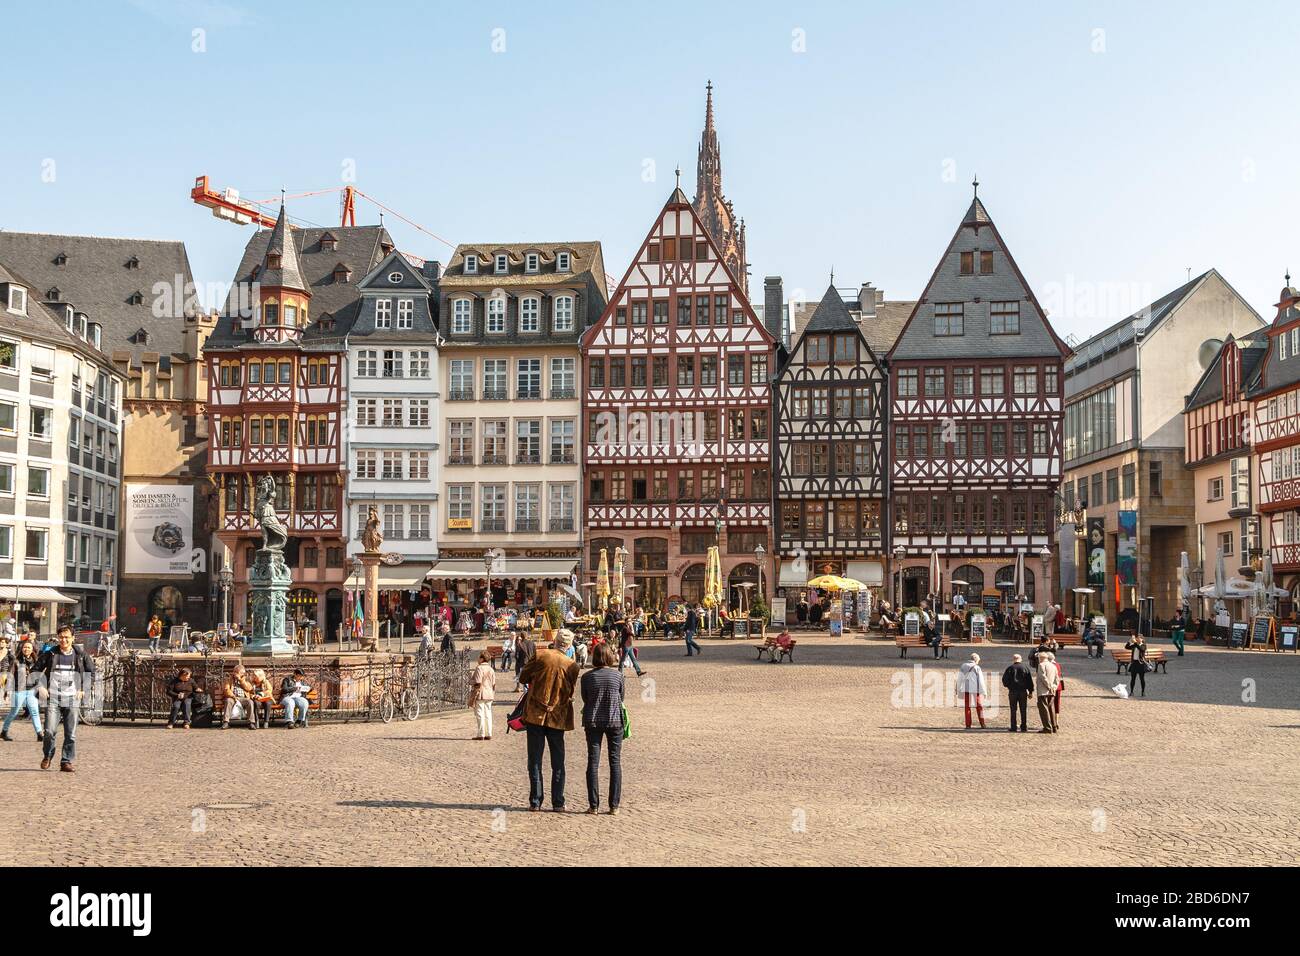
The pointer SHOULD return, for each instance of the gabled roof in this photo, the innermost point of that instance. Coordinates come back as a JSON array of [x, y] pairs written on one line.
[[289, 274], [96, 280], [831, 315], [880, 330], [977, 292], [40, 323]]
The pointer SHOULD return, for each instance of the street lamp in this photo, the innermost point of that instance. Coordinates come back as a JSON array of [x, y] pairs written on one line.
[[226, 579], [1045, 556], [759, 554], [899, 552]]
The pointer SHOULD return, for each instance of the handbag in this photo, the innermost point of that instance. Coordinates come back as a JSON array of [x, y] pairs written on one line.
[[515, 720], [627, 722]]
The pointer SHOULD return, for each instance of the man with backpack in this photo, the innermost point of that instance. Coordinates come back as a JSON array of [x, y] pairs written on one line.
[[67, 671]]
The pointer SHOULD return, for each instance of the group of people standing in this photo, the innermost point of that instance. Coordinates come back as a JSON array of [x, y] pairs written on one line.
[[57, 676]]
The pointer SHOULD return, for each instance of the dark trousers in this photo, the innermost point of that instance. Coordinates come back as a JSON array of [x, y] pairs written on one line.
[[540, 739], [1133, 677], [614, 735], [67, 715], [1019, 700], [186, 705], [691, 646]]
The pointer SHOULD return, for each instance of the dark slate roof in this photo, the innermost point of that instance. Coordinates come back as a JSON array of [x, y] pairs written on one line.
[[1277, 373], [360, 248], [412, 285], [96, 280], [40, 323], [1135, 326], [1253, 348], [831, 314], [977, 233], [289, 275], [880, 330]]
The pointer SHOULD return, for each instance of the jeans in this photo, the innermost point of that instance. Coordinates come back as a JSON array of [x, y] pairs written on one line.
[[1177, 635], [506, 658], [1019, 701], [153, 644], [28, 698], [67, 714], [937, 643], [629, 658], [614, 735], [292, 705], [1133, 678], [539, 739], [690, 643], [186, 705]]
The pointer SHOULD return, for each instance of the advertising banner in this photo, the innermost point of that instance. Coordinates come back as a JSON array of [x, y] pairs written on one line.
[[1097, 553], [159, 529], [1126, 564]]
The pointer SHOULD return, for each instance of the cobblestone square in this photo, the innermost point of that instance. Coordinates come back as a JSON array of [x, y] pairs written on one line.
[[732, 761]]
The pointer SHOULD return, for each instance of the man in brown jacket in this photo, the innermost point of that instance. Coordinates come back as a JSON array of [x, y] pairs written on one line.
[[548, 713]]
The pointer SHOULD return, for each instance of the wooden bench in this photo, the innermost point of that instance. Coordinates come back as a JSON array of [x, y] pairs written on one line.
[[277, 708], [906, 642], [1155, 660], [1066, 639], [777, 647]]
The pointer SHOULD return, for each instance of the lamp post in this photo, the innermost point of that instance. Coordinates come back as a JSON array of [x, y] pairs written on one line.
[[488, 557], [226, 580], [759, 554], [899, 552], [1046, 557]]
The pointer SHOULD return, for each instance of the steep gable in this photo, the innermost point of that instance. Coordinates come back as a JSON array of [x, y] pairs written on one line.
[[977, 291]]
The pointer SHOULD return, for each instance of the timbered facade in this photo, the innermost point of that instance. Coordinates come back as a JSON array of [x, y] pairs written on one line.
[[831, 472], [975, 390], [677, 416], [1277, 440], [278, 399]]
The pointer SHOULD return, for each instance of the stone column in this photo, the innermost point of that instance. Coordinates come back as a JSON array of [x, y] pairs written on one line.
[[370, 562]]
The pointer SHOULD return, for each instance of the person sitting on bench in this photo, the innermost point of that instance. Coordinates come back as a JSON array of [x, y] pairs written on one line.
[[1093, 638]]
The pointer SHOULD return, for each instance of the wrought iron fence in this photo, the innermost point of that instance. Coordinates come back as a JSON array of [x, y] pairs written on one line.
[[346, 687]]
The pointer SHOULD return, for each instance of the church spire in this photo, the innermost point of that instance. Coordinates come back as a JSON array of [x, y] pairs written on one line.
[[715, 212]]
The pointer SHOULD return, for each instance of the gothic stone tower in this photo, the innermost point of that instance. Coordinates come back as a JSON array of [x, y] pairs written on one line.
[[714, 210]]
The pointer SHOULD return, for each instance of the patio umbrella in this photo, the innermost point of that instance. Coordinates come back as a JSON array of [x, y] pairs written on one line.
[[620, 580], [570, 591], [936, 575], [1185, 581], [602, 581], [1020, 576], [1220, 578], [833, 582]]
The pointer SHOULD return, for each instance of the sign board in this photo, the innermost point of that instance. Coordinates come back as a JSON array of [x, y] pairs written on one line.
[[836, 627], [176, 636], [159, 529], [1036, 628], [978, 627], [1288, 637], [1239, 635], [912, 625], [1097, 553], [1263, 633], [740, 627], [991, 602], [460, 524], [778, 610]]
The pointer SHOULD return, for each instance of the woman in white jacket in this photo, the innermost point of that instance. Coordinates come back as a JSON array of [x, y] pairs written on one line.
[[970, 683]]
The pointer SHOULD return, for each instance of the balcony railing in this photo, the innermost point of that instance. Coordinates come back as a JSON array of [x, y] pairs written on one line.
[[528, 458], [495, 394], [561, 524], [562, 458], [460, 460], [559, 393], [494, 459], [525, 394], [492, 524], [460, 395], [527, 524]]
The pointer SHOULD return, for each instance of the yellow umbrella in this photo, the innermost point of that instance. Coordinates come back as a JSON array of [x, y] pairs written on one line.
[[833, 582], [620, 582], [602, 581]]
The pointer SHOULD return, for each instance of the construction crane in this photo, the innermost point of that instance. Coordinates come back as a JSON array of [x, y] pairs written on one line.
[[228, 205]]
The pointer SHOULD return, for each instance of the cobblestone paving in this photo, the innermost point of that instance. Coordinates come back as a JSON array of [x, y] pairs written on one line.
[[731, 762]]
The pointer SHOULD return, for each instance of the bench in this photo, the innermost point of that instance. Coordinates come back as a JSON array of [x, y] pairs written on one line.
[[1155, 660], [777, 647], [1067, 639], [906, 642], [277, 708]]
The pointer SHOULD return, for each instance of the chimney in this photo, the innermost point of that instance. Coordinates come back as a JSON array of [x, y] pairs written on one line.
[[773, 301], [868, 298]]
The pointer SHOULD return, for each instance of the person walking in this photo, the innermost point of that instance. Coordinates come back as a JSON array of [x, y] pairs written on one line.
[[525, 648], [1046, 679], [65, 670], [25, 680], [602, 722], [507, 651], [1178, 630], [1137, 665], [627, 649], [548, 715], [484, 682], [970, 683], [155, 633], [1018, 679], [692, 625]]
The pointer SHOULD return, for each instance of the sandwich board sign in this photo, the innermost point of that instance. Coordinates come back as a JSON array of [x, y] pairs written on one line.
[[912, 624], [978, 627]]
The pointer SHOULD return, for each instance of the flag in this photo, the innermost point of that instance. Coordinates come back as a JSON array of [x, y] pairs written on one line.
[[358, 617]]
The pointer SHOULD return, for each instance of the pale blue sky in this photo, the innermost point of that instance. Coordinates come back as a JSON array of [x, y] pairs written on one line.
[[1111, 161]]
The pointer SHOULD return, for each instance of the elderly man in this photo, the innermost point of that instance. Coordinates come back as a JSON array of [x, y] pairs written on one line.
[[548, 714], [1019, 682], [1046, 681]]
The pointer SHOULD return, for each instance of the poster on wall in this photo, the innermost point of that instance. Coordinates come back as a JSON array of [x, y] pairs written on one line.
[[159, 529], [1126, 549], [1097, 553]]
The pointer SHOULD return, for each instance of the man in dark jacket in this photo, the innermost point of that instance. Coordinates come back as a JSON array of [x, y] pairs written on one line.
[[525, 650], [692, 625], [67, 672], [1019, 682]]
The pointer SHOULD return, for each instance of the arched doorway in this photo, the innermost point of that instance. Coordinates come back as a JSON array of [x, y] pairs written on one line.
[[333, 612], [301, 609], [974, 579], [916, 586], [742, 574], [693, 584], [649, 573], [1007, 576], [168, 603]]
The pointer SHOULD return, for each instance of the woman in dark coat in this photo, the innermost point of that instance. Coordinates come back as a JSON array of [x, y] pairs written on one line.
[[1137, 666]]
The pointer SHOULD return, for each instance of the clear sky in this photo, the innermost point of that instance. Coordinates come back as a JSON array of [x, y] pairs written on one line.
[[1117, 144]]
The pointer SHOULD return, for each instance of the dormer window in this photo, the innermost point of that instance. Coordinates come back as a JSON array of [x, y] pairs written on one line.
[[95, 334], [61, 259], [532, 262], [394, 277], [342, 273], [133, 263], [141, 337], [502, 264], [136, 298], [17, 300], [328, 243], [562, 262], [273, 261], [52, 295], [385, 247], [471, 265]]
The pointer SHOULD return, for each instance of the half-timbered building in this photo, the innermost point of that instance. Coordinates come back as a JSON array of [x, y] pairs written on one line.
[[975, 386], [830, 409], [677, 416], [277, 403]]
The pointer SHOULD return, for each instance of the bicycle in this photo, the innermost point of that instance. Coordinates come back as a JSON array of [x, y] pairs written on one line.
[[392, 701]]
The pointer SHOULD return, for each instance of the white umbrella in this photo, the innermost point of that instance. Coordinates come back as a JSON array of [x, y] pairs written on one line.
[[1220, 577], [1020, 575], [1184, 581], [936, 576]]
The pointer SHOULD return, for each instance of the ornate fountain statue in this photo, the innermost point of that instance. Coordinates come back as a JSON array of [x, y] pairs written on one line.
[[268, 578], [373, 536]]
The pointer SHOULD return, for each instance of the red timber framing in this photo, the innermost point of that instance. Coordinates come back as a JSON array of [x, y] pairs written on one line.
[[677, 417]]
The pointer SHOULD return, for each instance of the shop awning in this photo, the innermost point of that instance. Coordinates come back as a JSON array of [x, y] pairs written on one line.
[[395, 577], [34, 594], [794, 573], [868, 572], [504, 568]]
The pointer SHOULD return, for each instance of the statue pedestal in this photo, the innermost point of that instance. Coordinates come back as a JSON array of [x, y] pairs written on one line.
[[268, 583], [370, 561]]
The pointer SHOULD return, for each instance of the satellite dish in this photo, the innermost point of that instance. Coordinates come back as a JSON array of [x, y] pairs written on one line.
[[1209, 349]]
